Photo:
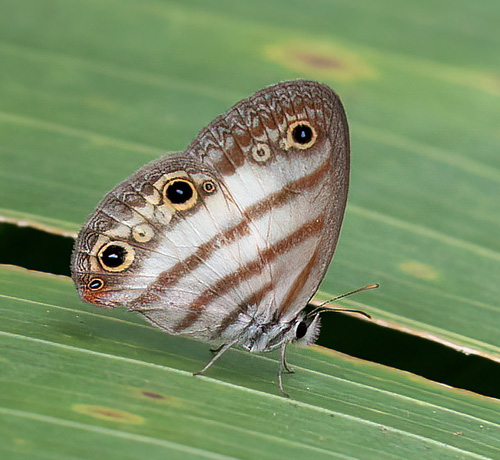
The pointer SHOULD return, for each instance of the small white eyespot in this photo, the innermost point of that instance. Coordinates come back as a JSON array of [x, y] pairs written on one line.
[[261, 153], [142, 233]]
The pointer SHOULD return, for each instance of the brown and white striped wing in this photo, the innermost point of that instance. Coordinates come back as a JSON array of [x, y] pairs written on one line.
[[256, 235]]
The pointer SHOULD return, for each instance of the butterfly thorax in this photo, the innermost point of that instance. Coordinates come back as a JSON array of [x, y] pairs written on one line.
[[261, 331], [264, 332]]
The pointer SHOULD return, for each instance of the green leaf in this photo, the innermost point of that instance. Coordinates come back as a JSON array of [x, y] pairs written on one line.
[[77, 379], [91, 90]]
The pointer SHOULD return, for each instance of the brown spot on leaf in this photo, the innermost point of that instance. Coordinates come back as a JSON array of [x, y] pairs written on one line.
[[158, 398], [321, 62], [108, 413], [152, 395]]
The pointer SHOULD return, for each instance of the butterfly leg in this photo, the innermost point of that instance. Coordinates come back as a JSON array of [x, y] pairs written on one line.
[[283, 366], [287, 370], [218, 353], [283, 360]]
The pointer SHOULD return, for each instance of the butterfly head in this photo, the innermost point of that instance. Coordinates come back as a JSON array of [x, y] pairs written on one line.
[[306, 330]]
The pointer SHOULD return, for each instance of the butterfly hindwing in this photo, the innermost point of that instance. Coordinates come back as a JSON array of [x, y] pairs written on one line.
[[239, 229]]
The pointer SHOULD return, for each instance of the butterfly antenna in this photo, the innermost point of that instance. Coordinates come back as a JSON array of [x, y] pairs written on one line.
[[321, 308]]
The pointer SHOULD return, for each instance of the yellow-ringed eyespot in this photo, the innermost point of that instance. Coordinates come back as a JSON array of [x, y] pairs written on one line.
[[116, 256], [95, 284], [208, 187], [301, 135], [261, 153], [180, 193], [142, 233]]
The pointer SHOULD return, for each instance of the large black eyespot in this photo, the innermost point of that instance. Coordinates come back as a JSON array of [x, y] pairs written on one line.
[[116, 257], [113, 256], [301, 330], [301, 135], [180, 193]]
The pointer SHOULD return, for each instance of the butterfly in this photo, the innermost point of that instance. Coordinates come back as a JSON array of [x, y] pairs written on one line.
[[227, 241]]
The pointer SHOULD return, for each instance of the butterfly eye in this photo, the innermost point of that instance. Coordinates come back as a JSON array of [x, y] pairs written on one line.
[[307, 330], [301, 330], [180, 193], [116, 256], [95, 284], [301, 135]]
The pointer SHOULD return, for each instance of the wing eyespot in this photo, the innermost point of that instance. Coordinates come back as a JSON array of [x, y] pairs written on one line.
[[208, 187], [142, 233], [116, 256], [261, 153], [180, 194], [95, 284], [301, 135]]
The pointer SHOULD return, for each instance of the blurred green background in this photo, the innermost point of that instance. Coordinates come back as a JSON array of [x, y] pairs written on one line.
[[91, 90]]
